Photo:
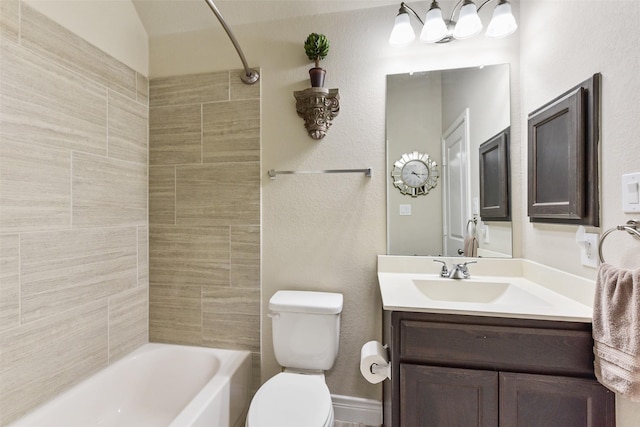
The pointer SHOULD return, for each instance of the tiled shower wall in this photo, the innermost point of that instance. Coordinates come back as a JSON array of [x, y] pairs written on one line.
[[204, 212], [73, 209]]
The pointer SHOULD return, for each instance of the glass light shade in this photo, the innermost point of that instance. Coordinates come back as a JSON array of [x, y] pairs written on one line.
[[468, 24], [502, 23], [402, 33], [434, 28]]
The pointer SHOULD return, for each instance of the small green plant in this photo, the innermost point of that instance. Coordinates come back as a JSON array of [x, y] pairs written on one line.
[[316, 46]]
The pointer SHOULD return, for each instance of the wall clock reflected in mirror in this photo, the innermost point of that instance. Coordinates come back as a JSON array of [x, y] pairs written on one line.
[[415, 174]]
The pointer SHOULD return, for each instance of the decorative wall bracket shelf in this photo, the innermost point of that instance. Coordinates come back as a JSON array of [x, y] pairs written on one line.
[[318, 106]]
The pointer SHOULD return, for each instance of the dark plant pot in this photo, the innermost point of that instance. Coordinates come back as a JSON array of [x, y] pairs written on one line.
[[317, 76]]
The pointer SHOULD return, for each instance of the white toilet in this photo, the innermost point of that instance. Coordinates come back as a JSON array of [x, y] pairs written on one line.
[[306, 332]]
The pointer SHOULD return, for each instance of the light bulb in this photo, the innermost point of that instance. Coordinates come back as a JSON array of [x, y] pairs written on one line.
[[502, 23], [468, 24], [434, 28], [402, 33]]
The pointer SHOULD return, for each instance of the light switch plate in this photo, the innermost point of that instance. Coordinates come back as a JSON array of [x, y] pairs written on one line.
[[631, 192]]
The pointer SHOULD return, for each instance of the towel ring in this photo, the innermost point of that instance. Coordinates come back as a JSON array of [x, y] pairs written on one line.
[[630, 227], [473, 221]]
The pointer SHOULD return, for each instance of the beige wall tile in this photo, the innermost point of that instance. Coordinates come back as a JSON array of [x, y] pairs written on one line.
[[256, 379], [65, 269], [245, 256], [61, 46], [189, 89], [220, 303], [175, 314], [35, 187], [108, 192], [204, 244], [42, 359], [236, 332], [181, 255], [9, 281], [142, 88], [231, 131], [128, 129], [58, 97], [245, 244], [128, 321], [143, 256], [9, 20], [162, 194], [176, 133], [245, 275], [240, 90], [220, 194], [42, 102]]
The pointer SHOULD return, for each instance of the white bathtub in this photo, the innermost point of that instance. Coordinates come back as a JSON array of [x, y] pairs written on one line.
[[156, 385]]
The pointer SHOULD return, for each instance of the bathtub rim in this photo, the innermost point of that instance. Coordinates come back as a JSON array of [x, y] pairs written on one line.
[[229, 361]]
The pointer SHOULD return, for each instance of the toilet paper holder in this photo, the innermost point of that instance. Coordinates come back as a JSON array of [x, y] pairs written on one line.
[[381, 369], [374, 362]]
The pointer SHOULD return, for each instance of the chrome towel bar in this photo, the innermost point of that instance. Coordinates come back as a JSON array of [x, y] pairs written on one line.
[[630, 227], [272, 173]]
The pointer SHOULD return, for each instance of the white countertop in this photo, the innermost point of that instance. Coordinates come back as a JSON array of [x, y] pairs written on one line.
[[544, 293]]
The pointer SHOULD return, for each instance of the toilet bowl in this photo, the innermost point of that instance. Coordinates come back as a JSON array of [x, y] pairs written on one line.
[[292, 400], [305, 333]]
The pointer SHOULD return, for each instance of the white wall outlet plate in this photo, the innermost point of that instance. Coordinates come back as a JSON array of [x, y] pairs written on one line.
[[631, 192], [589, 252], [405, 210]]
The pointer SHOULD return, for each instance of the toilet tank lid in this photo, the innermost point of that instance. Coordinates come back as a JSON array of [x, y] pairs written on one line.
[[306, 302]]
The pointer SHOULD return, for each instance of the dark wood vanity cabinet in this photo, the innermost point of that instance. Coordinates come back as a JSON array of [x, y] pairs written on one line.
[[472, 371]]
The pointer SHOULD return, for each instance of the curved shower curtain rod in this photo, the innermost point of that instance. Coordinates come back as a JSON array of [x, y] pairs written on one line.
[[250, 75]]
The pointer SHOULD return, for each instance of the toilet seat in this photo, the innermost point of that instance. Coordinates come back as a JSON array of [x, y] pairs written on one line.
[[292, 400]]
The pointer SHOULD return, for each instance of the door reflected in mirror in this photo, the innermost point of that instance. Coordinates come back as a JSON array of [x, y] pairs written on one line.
[[446, 114]]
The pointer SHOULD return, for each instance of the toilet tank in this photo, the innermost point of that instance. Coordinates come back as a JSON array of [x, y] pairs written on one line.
[[305, 328]]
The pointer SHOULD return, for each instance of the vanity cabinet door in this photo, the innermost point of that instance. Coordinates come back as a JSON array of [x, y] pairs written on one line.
[[447, 397], [550, 401]]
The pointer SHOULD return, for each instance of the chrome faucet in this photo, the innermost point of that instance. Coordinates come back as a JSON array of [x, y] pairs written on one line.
[[458, 271]]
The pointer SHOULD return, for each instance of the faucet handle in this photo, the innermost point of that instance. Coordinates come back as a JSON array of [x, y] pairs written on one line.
[[445, 271], [463, 268]]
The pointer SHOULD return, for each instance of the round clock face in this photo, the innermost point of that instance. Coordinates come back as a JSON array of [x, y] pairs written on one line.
[[415, 174]]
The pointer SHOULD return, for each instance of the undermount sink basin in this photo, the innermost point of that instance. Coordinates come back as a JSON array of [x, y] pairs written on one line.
[[476, 291]]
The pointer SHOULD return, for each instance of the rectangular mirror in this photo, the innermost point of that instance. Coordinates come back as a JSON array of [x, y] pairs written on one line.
[[447, 115]]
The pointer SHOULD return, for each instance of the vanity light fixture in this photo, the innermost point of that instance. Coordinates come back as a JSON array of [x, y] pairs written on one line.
[[436, 29]]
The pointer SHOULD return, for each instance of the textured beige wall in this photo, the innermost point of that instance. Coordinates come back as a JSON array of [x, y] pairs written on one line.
[[73, 209], [204, 212]]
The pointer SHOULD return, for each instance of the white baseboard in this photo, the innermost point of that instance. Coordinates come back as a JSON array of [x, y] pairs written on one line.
[[357, 410]]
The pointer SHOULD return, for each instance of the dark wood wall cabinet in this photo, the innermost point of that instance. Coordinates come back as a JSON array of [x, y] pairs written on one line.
[[563, 157], [494, 178], [475, 371]]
